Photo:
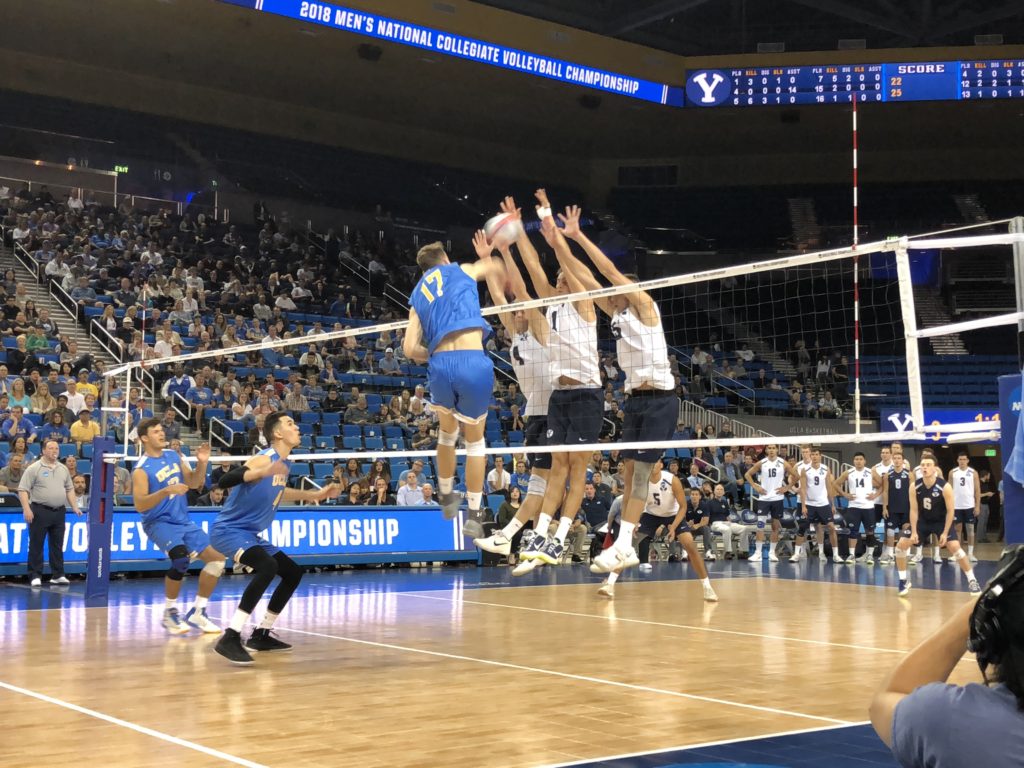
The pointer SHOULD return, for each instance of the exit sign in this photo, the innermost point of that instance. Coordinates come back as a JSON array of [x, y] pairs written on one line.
[[990, 452], [120, 169]]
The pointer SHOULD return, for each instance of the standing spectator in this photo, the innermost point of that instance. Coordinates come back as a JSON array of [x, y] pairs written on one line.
[[46, 490], [410, 494], [498, 479]]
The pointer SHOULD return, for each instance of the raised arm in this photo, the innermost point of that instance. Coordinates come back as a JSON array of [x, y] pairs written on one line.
[[196, 478], [412, 344], [537, 321], [494, 286]]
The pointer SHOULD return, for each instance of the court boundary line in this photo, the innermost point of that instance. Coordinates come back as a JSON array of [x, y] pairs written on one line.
[[566, 675], [144, 730], [706, 744], [647, 622]]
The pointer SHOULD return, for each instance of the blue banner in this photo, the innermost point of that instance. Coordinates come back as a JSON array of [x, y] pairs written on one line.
[[895, 420], [322, 531], [1013, 492], [394, 31]]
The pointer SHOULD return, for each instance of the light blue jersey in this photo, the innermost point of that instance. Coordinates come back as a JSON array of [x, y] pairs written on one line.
[[251, 506], [446, 300], [162, 471]]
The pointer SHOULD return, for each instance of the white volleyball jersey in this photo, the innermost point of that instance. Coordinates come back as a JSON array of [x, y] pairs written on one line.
[[963, 488], [860, 485], [772, 478], [817, 486], [642, 351], [800, 467], [661, 499], [531, 363], [572, 346]]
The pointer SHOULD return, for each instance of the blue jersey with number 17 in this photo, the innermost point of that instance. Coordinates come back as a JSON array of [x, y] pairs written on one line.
[[252, 506], [446, 300]]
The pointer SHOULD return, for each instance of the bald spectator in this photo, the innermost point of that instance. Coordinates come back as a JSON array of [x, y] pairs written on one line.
[[411, 493]]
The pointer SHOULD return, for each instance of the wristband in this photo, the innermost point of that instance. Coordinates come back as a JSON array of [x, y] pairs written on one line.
[[543, 213]]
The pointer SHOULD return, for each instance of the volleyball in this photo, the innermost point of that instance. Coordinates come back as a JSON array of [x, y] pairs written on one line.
[[503, 230]]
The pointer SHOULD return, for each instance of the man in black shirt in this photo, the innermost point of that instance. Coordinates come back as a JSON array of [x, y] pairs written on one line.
[[592, 515], [698, 516]]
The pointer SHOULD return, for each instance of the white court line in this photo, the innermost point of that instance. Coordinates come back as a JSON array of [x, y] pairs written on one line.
[[567, 675], [702, 745], [133, 726], [660, 624]]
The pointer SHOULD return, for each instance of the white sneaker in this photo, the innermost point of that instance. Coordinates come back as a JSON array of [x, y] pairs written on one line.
[[496, 543], [525, 567], [916, 559], [756, 558], [60, 581], [870, 559], [614, 558], [172, 622], [772, 557], [36, 582], [885, 560], [850, 560], [709, 594], [200, 620], [972, 558], [797, 554], [646, 567], [709, 556], [607, 590], [836, 558]]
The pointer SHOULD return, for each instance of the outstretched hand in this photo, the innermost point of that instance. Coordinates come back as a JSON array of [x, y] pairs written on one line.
[[542, 198], [549, 230], [481, 246], [508, 205], [571, 221]]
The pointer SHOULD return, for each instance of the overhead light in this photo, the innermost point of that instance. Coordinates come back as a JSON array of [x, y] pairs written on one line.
[[771, 47], [988, 39], [852, 44]]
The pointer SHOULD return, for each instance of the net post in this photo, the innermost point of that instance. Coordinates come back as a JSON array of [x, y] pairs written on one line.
[[1017, 228], [906, 288], [100, 523]]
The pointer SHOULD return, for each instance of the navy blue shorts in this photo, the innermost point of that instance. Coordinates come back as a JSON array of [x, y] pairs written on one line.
[[897, 520], [854, 517], [649, 524], [536, 434], [651, 416], [926, 529], [575, 416], [461, 381], [819, 515], [168, 535], [772, 509], [234, 541], [965, 516]]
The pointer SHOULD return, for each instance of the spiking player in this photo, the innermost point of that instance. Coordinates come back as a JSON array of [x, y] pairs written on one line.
[[933, 515], [250, 509], [816, 509], [447, 332], [862, 487], [772, 473], [159, 483], [966, 500], [576, 408], [898, 499], [530, 360], [883, 468]]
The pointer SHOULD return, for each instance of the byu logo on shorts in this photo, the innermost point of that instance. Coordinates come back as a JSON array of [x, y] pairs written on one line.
[[708, 88], [551, 433]]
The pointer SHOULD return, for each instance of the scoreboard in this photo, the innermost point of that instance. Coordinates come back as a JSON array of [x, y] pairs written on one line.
[[846, 83]]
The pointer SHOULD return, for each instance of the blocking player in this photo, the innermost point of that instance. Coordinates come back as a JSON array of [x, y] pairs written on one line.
[[529, 332], [966, 500], [861, 486], [816, 499], [933, 515], [447, 332], [772, 473], [159, 483], [262, 484]]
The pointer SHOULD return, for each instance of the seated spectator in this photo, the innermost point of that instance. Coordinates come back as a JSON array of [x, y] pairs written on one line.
[[509, 507], [380, 496], [828, 408], [10, 476], [85, 429], [515, 421], [172, 429], [18, 396], [42, 401], [84, 294], [698, 516], [84, 386], [354, 496], [411, 493], [36, 340], [200, 397], [718, 516], [388, 365], [215, 497], [380, 468], [17, 426], [357, 413], [498, 479], [428, 496], [295, 400], [54, 428], [601, 488], [520, 478], [255, 437], [592, 515], [311, 363]]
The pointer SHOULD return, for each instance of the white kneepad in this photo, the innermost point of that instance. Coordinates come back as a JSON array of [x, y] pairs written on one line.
[[476, 447], [448, 439], [215, 569], [538, 485]]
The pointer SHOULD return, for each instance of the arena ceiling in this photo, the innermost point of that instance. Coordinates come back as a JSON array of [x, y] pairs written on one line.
[[710, 27]]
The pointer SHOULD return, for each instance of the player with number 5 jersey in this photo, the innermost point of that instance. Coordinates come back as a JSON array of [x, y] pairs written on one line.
[[447, 332]]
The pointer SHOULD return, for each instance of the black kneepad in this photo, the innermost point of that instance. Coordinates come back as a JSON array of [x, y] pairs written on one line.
[[179, 562]]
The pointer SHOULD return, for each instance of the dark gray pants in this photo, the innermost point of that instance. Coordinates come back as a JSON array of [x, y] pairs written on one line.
[[47, 522]]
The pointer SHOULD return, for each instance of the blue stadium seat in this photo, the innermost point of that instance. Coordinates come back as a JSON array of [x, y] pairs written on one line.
[[352, 443], [352, 430]]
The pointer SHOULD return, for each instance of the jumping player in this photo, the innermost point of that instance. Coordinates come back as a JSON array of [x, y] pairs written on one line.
[[159, 484], [250, 509], [529, 332], [933, 515], [447, 332], [862, 487], [816, 509], [966, 500], [772, 473]]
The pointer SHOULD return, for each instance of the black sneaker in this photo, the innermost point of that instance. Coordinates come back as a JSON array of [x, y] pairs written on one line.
[[230, 647], [262, 640]]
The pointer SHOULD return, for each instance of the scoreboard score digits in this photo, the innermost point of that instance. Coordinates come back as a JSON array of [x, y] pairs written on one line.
[[845, 83]]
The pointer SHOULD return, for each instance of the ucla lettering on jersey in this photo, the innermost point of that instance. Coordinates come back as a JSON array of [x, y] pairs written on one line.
[[162, 471], [251, 506], [447, 300]]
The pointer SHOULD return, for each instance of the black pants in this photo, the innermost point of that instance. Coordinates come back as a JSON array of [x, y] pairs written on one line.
[[46, 522]]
